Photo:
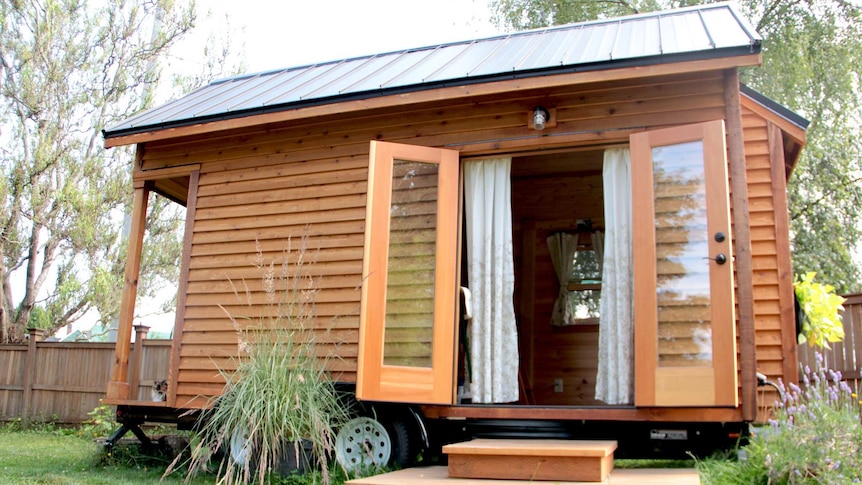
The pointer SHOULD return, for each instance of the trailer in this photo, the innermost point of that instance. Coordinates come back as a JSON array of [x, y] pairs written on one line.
[[576, 231]]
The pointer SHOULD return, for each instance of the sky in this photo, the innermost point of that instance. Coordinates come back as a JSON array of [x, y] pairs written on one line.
[[275, 34]]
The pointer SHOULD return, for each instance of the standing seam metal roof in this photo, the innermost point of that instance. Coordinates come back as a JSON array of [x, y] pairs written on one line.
[[702, 32]]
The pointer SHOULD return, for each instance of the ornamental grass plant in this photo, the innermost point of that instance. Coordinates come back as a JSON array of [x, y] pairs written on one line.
[[815, 437], [279, 395]]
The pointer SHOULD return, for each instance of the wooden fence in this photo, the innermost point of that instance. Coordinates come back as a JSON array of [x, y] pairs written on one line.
[[844, 356], [63, 381]]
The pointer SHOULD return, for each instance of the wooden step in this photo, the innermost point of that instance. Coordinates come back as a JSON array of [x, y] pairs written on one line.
[[509, 459]]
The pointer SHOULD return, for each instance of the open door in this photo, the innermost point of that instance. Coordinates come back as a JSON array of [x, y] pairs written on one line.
[[685, 344], [408, 313]]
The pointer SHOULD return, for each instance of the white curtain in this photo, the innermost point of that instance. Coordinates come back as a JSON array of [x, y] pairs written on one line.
[[598, 239], [563, 247], [491, 275], [616, 329]]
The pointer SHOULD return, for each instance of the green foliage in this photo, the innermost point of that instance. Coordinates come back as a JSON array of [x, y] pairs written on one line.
[[815, 438], [820, 306], [101, 424], [812, 63], [279, 392], [531, 14], [68, 70], [39, 318]]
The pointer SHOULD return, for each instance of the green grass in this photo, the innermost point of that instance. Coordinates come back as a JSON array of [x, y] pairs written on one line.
[[51, 457]]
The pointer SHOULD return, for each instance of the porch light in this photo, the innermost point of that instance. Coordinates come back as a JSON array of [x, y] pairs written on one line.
[[540, 118]]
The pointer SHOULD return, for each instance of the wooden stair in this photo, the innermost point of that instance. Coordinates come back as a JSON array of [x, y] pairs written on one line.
[[510, 459]]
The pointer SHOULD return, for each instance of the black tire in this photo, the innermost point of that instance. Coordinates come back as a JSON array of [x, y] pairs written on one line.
[[406, 442]]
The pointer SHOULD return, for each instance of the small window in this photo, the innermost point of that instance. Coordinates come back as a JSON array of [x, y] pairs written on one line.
[[585, 283]]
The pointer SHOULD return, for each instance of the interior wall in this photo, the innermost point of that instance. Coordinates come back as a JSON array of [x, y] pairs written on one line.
[[550, 193]]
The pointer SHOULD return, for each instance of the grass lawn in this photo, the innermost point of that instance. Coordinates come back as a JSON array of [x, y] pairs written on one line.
[[50, 457]]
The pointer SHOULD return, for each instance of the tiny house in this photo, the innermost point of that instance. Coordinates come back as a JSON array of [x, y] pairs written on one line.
[[577, 231]]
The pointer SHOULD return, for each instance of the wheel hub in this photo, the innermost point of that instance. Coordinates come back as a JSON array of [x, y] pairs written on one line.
[[362, 442]]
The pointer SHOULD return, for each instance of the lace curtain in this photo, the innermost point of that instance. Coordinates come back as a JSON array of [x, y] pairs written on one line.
[[616, 329], [491, 275], [563, 247]]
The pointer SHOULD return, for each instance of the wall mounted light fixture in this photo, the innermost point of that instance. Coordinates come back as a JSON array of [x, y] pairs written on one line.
[[540, 118]]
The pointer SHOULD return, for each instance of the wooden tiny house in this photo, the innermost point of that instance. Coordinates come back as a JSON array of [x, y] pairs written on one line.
[[373, 159]]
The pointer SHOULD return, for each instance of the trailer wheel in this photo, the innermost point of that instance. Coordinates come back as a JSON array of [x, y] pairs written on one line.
[[238, 447], [405, 444], [363, 442]]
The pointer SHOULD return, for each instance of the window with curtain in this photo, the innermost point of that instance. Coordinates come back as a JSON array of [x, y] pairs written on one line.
[[585, 279], [577, 260]]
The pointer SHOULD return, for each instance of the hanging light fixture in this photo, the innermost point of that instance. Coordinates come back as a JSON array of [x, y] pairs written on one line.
[[540, 118]]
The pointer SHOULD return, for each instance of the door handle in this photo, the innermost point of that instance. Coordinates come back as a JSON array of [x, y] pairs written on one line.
[[719, 258]]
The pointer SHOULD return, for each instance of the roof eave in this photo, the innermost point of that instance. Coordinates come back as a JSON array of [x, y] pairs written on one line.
[[506, 82]]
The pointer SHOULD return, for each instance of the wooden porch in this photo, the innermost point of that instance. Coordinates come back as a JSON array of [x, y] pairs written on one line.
[[515, 461], [437, 475]]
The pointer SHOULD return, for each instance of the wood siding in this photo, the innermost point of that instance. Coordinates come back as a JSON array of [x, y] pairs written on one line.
[[772, 272], [262, 188]]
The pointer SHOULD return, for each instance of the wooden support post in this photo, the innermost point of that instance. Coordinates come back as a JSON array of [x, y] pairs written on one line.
[[742, 245], [137, 358], [36, 335], [118, 388]]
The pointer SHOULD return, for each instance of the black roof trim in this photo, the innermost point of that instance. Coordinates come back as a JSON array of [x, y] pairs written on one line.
[[775, 107]]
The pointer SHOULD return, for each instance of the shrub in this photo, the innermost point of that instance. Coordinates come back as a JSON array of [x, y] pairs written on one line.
[[279, 392], [101, 423], [820, 306], [815, 437]]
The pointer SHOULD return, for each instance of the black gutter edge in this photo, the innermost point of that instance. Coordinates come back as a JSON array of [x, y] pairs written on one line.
[[775, 107], [753, 48]]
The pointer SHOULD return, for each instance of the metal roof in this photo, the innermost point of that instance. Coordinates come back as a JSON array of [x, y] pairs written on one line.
[[703, 32]]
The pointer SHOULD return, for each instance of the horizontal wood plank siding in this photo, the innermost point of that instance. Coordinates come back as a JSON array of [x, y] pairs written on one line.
[[262, 188], [249, 223], [770, 265]]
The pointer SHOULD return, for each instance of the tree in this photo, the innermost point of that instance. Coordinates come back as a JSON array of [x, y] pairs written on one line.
[[69, 70], [812, 60]]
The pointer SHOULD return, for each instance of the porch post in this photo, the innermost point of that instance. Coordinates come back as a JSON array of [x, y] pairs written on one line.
[[137, 358], [118, 388], [742, 241]]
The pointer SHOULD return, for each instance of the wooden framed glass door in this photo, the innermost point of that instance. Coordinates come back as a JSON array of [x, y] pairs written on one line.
[[685, 342], [408, 313]]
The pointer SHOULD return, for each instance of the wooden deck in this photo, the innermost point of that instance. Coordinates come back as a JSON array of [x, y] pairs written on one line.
[[438, 475]]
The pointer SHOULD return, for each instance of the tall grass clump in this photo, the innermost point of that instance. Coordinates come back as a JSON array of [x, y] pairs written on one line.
[[279, 392], [814, 438]]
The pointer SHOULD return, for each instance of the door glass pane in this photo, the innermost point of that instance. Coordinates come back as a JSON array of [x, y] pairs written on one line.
[[682, 252], [412, 256]]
